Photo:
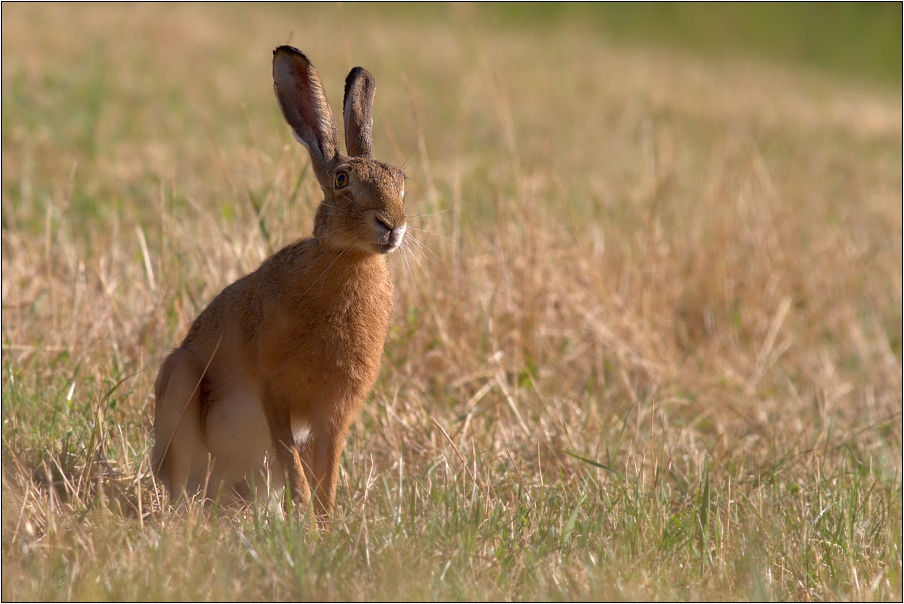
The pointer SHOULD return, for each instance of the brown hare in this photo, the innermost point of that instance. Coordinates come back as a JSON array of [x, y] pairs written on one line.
[[274, 370]]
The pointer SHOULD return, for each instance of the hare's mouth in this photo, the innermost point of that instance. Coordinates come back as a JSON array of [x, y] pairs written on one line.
[[389, 247]]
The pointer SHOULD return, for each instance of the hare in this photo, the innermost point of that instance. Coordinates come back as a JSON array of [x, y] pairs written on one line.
[[274, 370]]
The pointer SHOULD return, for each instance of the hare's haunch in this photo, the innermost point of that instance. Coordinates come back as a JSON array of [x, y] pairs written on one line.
[[273, 371]]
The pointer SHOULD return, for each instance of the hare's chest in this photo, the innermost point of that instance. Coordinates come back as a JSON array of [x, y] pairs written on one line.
[[354, 333], [335, 339]]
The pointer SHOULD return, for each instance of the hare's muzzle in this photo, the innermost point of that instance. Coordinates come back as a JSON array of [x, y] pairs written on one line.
[[390, 238]]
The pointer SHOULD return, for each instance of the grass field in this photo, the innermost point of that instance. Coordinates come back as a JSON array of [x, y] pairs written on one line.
[[648, 344]]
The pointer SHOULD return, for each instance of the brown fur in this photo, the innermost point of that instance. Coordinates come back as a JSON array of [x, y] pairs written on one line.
[[274, 370]]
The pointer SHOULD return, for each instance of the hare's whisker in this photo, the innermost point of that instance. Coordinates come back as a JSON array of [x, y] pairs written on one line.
[[429, 232], [411, 276], [436, 213], [416, 259], [408, 159], [423, 248]]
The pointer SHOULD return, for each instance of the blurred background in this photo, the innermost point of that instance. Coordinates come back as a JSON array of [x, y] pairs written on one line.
[[859, 40]]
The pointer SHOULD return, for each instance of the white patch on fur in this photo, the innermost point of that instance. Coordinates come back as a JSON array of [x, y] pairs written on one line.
[[301, 429]]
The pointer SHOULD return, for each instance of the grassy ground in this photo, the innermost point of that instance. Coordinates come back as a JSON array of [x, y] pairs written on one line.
[[649, 346]]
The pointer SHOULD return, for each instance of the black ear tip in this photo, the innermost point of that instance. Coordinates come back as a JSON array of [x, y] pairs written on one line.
[[358, 72], [360, 77], [291, 50]]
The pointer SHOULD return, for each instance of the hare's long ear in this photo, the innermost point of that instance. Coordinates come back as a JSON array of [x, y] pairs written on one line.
[[357, 112], [304, 105]]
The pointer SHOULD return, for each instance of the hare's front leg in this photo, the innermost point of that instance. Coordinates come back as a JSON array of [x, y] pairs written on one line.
[[279, 421], [326, 447]]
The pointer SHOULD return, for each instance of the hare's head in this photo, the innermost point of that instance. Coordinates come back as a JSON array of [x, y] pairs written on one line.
[[363, 206]]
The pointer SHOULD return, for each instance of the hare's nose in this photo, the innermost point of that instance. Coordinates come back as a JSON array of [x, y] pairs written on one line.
[[390, 236], [396, 235]]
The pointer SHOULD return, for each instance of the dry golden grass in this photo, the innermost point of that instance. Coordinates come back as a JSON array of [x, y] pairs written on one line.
[[687, 271]]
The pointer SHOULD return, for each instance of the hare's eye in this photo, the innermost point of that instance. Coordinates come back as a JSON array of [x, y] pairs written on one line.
[[341, 180]]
